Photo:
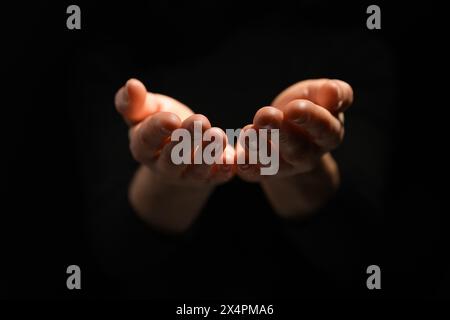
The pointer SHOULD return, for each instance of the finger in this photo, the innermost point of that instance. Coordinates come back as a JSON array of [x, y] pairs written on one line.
[[246, 142], [247, 165], [214, 143], [200, 172], [169, 104], [196, 125], [295, 147], [225, 171], [301, 90], [249, 172], [134, 103], [319, 124], [334, 95], [148, 137], [346, 95], [211, 152], [291, 144], [268, 118], [165, 162], [196, 121]]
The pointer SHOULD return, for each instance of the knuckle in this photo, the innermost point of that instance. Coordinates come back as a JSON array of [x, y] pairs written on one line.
[[300, 153], [137, 153]]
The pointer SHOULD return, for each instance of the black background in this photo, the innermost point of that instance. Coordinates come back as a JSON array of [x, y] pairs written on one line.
[[43, 224]]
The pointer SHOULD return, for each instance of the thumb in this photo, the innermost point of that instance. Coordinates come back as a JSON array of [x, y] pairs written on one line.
[[134, 103]]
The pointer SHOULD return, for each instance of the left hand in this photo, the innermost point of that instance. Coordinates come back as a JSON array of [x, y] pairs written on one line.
[[310, 117]]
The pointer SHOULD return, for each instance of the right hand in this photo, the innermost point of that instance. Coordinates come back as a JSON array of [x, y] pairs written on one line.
[[152, 119]]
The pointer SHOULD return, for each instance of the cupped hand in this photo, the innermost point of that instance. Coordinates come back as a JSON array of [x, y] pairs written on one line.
[[310, 119], [152, 119]]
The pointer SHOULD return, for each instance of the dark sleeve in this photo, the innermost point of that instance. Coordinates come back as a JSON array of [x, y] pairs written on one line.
[[341, 238], [127, 250], [338, 240]]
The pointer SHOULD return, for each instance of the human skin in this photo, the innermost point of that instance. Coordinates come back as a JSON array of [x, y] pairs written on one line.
[[309, 115]]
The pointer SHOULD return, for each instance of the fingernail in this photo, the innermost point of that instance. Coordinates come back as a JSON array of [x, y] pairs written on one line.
[[267, 126], [127, 87], [198, 170], [244, 166], [340, 94], [300, 120], [165, 130], [121, 99]]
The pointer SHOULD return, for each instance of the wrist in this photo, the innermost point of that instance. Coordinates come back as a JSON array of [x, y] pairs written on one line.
[[177, 184], [164, 204], [302, 194]]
